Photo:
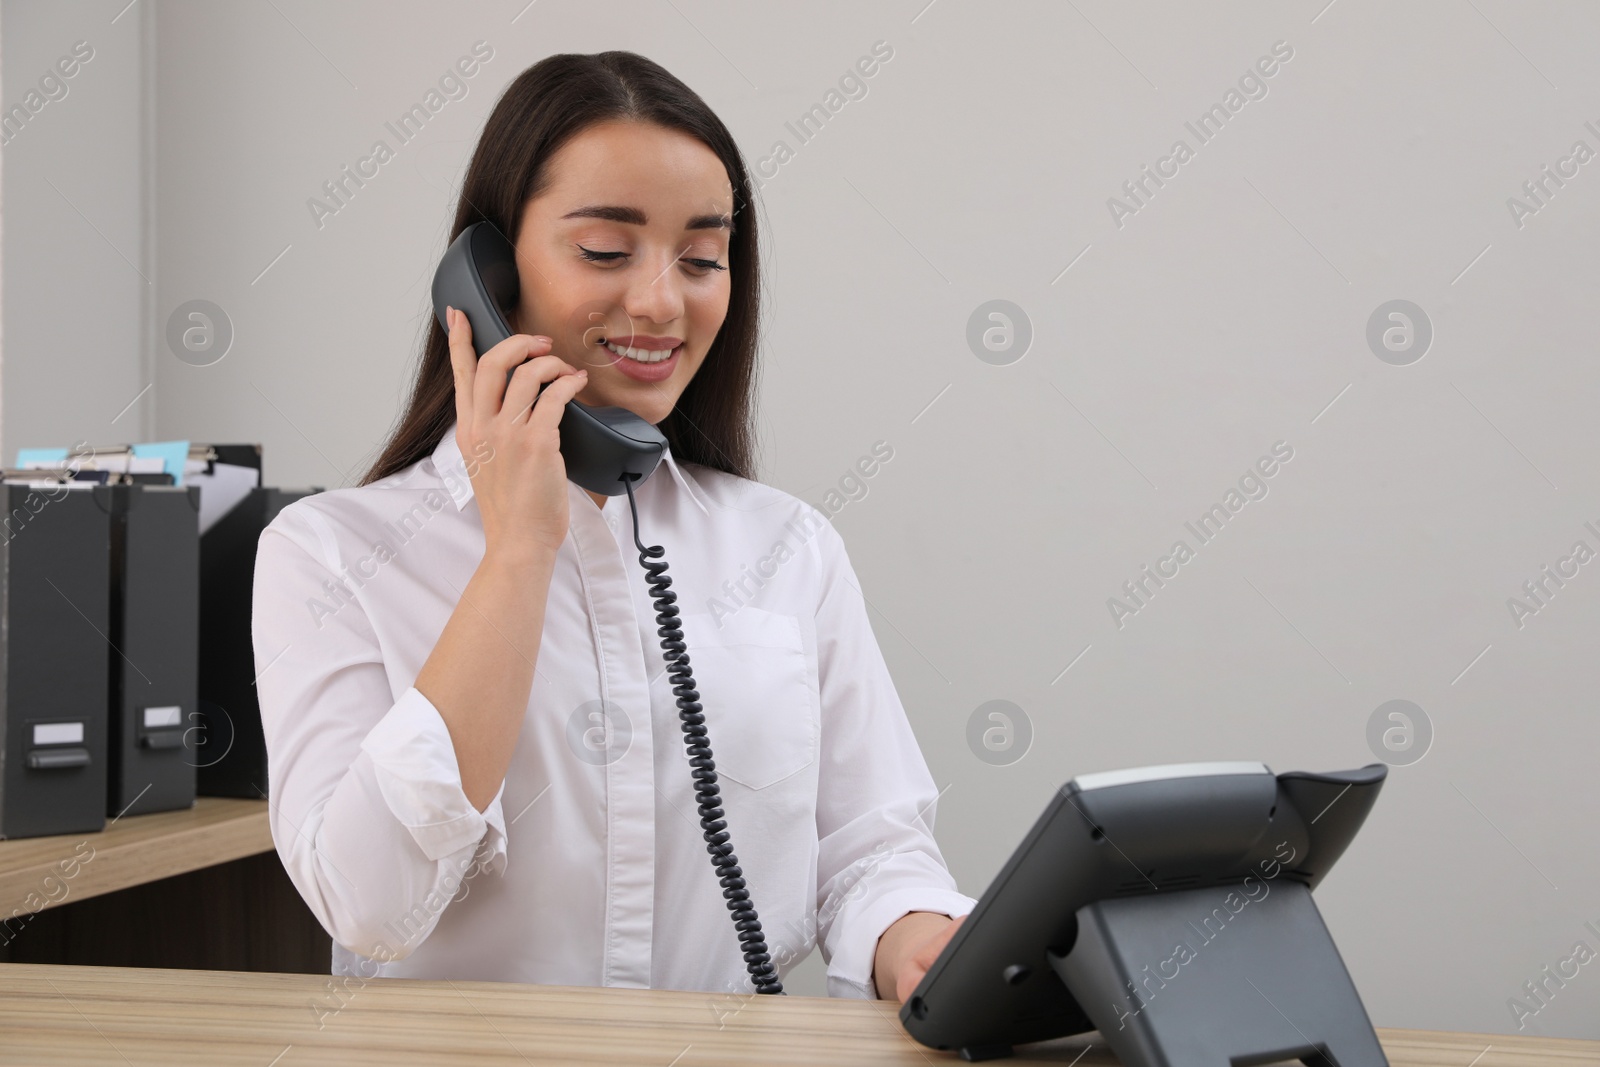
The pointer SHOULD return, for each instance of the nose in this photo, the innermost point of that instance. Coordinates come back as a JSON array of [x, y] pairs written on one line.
[[655, 292]]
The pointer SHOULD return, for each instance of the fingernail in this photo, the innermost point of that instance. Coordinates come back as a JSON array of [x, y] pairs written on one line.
[[449, 317]]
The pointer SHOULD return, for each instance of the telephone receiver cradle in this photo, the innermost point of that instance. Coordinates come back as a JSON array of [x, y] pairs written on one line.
[[600, 445]]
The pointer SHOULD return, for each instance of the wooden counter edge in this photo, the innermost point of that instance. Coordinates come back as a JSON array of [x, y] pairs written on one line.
[[1435, 1046]]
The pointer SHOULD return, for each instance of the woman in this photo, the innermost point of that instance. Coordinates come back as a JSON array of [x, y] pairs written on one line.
[[477, 769]]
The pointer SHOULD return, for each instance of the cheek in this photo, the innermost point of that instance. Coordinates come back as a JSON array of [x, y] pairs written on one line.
[[707, 311], [552, 285], [571, 306]]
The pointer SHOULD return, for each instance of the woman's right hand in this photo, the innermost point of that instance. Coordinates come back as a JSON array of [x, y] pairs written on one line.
[[510, 444]]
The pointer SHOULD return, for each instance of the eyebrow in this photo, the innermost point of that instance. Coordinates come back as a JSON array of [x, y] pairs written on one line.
[[635, 217]]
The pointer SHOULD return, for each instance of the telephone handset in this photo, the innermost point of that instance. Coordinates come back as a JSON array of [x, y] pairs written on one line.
[[478, 275], [607, 450]]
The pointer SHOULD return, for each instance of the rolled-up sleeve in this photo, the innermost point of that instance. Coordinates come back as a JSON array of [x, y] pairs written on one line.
[[877, 859], [365, 800]]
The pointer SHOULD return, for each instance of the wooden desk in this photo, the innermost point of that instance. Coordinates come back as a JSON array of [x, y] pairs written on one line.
[[79, 1015], [131, 851]]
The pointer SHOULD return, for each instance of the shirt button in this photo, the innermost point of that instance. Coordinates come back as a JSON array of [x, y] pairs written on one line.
[[611, 521]]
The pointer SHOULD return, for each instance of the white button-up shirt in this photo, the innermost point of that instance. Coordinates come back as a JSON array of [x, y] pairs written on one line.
[[588, 867]]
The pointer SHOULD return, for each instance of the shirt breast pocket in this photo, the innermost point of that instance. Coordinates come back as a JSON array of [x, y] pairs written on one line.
[[763, 715]]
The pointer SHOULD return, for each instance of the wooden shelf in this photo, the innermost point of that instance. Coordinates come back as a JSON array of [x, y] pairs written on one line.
[[132, 851]]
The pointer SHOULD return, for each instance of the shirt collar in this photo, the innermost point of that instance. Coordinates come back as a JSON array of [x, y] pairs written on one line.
[[447, 460]]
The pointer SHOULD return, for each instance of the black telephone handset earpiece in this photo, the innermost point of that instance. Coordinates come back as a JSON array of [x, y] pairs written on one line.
[[606, 451], [478, 275]]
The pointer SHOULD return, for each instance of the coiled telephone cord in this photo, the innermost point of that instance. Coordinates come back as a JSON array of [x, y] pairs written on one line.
[[713, 822]]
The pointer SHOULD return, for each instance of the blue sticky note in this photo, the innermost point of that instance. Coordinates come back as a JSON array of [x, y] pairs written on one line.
[[173, 455]]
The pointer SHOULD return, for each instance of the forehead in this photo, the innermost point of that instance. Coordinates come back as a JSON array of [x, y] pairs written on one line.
[[666, 173]]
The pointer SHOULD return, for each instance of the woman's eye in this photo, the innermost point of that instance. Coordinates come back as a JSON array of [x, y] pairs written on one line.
[[600, 257], [704, 265]]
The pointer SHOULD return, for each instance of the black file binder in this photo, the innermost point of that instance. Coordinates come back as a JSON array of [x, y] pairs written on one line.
[[232, 752], [155, 625], [55, 553]]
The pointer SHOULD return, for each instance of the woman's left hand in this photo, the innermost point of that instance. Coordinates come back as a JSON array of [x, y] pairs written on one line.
[[909, 947]]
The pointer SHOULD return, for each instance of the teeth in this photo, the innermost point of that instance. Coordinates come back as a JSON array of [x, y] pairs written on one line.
[[641, 355]]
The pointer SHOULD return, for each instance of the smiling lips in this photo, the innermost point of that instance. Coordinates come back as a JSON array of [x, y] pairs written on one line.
[[645, 359], [643, 349]]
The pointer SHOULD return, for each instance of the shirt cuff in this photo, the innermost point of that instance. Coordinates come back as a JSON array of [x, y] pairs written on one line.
[[414, 761], [850, 969]]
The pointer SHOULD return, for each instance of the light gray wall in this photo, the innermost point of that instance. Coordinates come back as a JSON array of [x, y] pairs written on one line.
[[78, 246], [1228, 313]]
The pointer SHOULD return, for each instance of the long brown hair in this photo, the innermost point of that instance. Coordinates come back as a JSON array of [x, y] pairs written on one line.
[[547, 105]]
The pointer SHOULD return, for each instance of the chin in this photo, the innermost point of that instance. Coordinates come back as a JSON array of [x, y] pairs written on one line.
[[653, 413]]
